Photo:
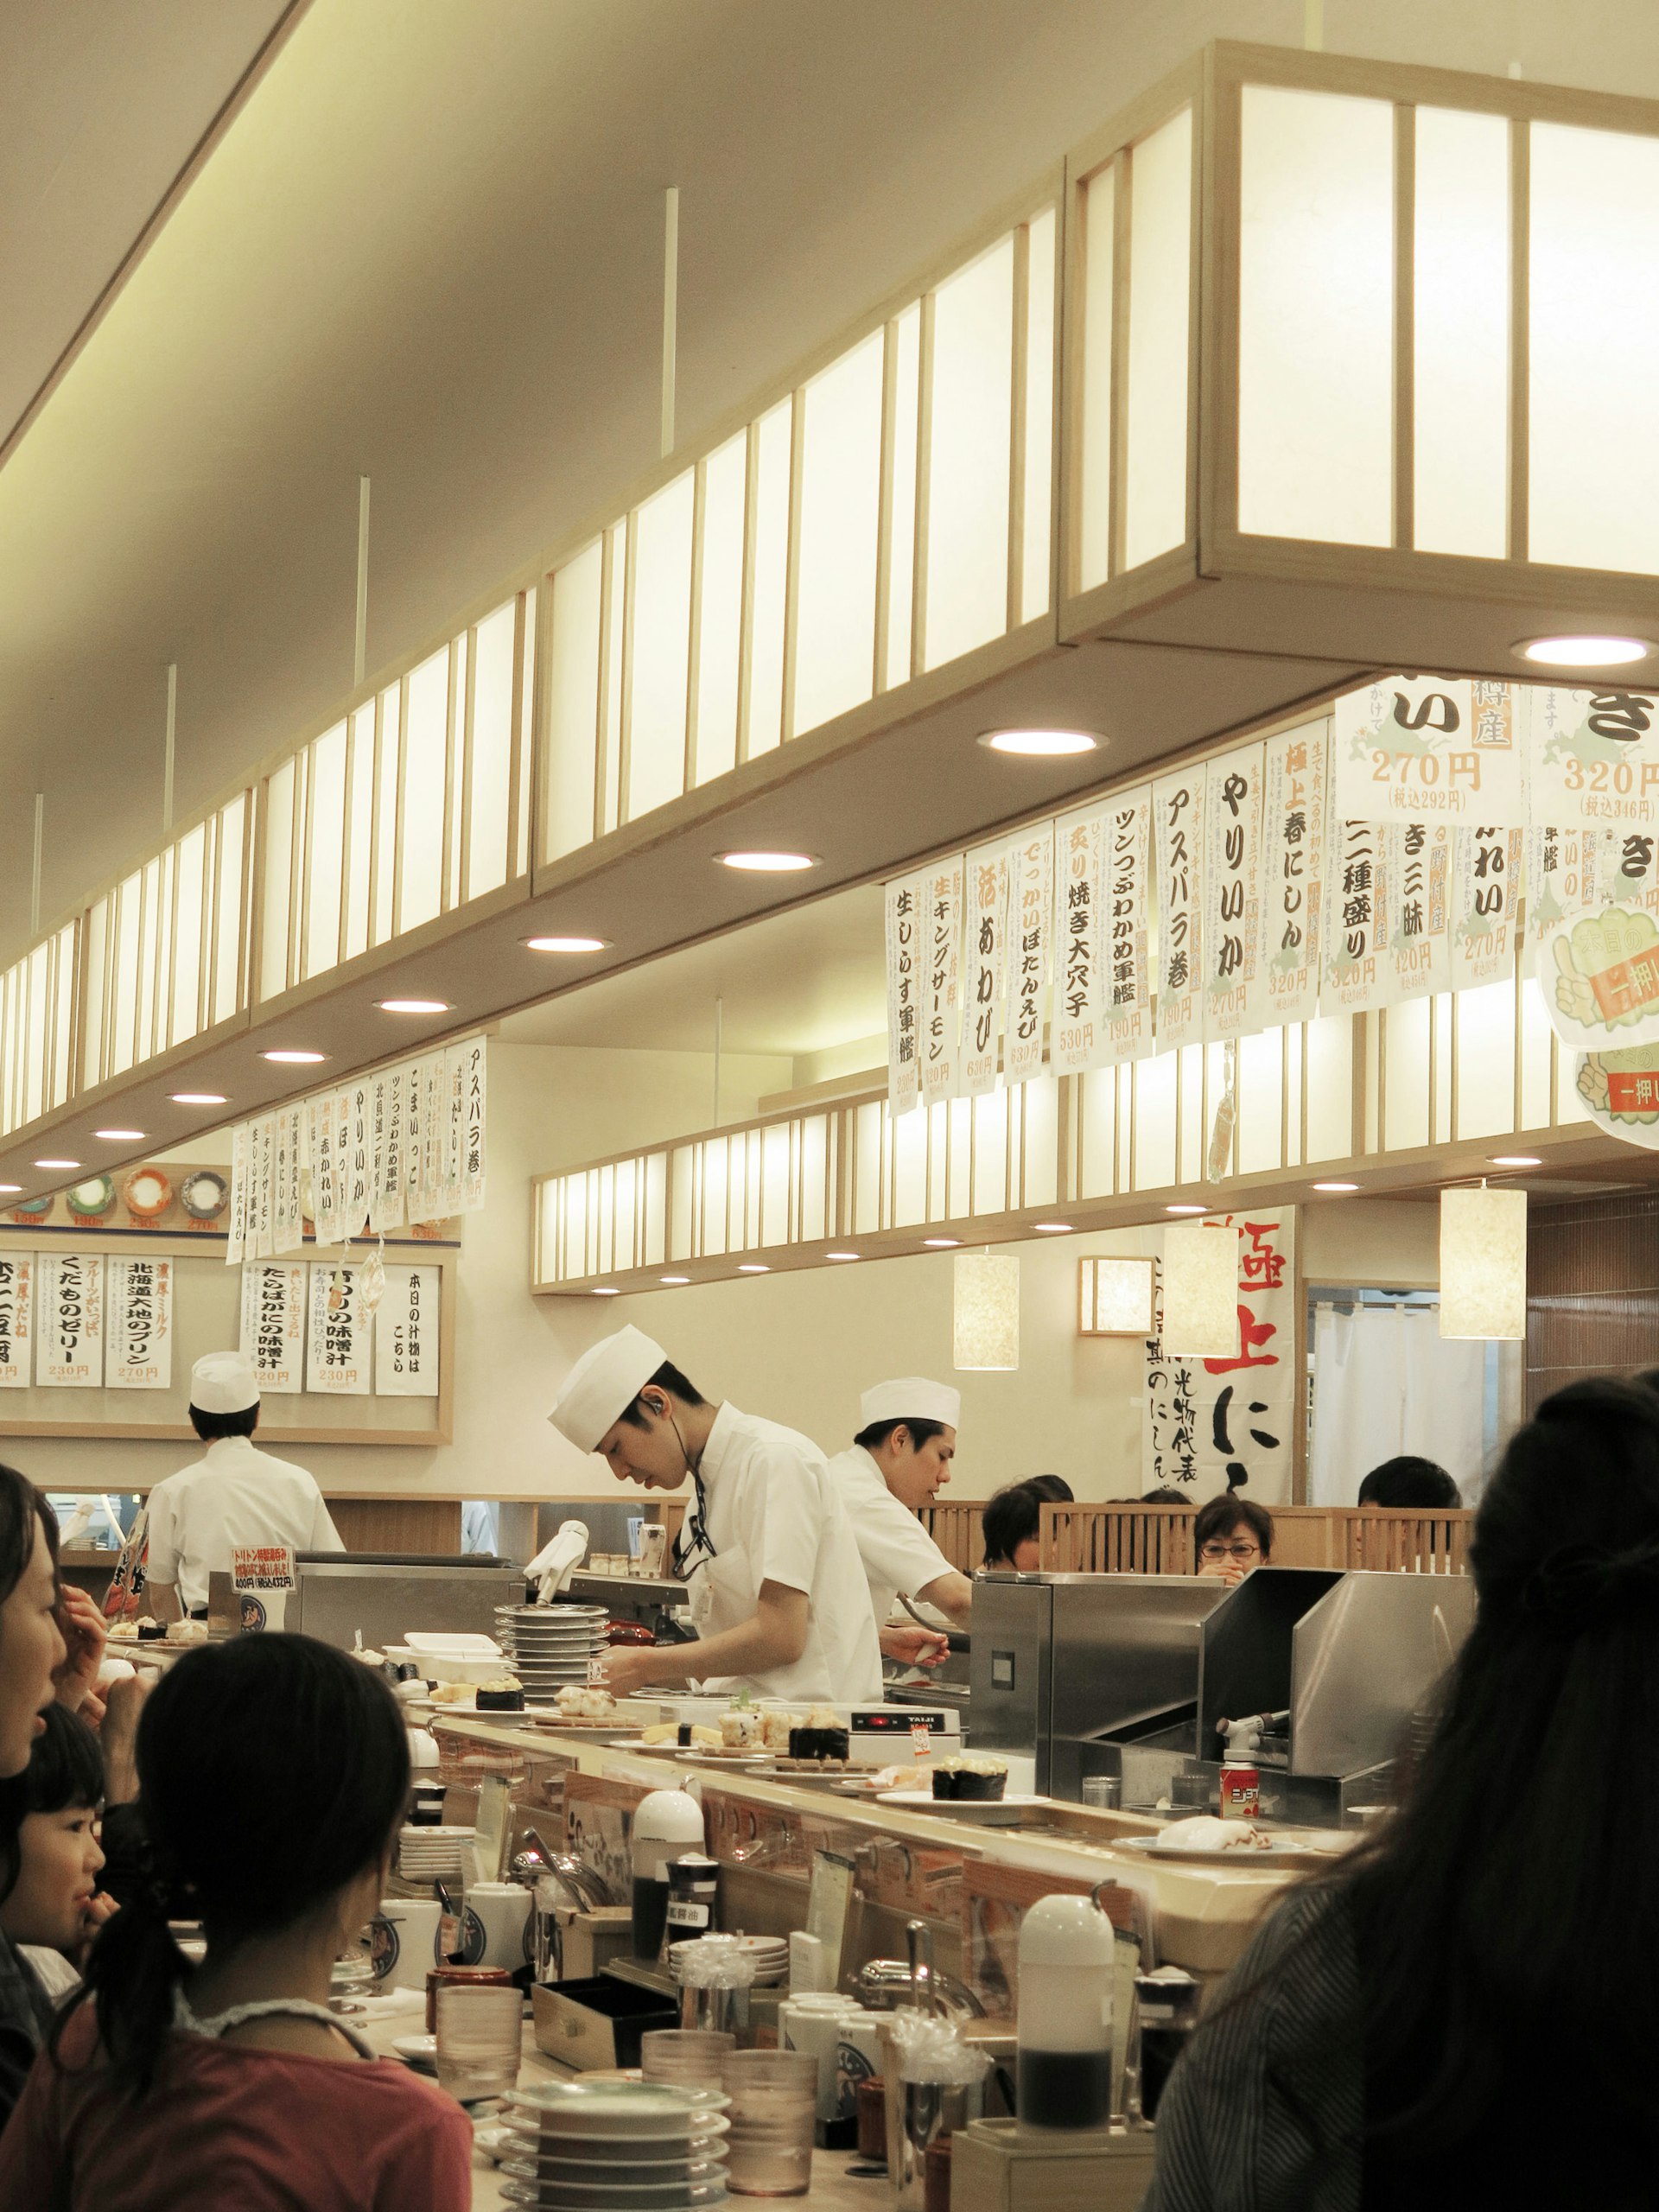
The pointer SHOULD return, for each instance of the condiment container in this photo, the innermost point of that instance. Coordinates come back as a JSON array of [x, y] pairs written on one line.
[[693, 1893], [666, 1823], [1063, 2065], [484, 1977]]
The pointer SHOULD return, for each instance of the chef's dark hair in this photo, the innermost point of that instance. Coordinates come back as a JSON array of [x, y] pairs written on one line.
[[1406, 1483], [667, 1378], [65, 1767], [1513, 1888], [210, 1426], [1014, 1515], [25, 1518], [1219, 1516], [921, 1432], [273, 1771]]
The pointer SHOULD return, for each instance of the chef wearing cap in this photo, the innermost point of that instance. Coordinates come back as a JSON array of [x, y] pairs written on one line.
[[777, 1588], [899, 1462], [232, 1494]]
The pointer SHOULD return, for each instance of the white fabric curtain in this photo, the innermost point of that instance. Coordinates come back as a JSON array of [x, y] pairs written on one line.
[[1385, 1380]]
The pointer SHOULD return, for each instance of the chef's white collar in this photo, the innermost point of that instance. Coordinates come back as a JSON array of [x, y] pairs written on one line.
[[721, 1437]]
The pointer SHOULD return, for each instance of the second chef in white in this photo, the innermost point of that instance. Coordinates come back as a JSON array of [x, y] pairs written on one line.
[[898, 1463], [776, 1586]]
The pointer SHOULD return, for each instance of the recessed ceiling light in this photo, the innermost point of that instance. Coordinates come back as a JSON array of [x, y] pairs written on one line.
[[1583, 652], [1053, 1228], [842, 1256], [566, 944], [414, 1006], [1515, 1160], [9, 1188], [674, 1279], [1186, 1209], [768, 863], [752, 1267], [57, 1163], [285, 1058], [940, 1244], [1336, 1186], [200, 1098], [1039, 744], [119, 1136], [606, 1290]]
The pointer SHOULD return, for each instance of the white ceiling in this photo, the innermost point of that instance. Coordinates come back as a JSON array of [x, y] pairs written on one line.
[[796, 983], [429, 248]]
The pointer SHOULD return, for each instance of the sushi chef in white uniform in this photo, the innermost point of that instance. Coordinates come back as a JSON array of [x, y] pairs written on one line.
[[899, 1462], [234, 1494], [776, 1587]]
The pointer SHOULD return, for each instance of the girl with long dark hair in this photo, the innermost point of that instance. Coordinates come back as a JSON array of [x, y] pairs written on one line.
[[1464, 2013], [31, 1653], [274, 1771]]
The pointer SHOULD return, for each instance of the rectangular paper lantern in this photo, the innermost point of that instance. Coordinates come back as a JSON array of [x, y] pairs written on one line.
[[986, 1301], [1201, 1290], [1115, 1297], [1484, 1263]]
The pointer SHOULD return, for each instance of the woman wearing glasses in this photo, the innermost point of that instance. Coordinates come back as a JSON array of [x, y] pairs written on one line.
[[1231, 1535]]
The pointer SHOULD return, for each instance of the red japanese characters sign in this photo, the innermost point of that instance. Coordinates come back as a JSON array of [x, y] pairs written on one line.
[[1227, 1423]]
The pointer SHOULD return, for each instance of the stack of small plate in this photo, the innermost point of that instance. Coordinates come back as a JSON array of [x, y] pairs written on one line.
[[548, 1647], [770, 1955], [614, 2146], [435, 1854]]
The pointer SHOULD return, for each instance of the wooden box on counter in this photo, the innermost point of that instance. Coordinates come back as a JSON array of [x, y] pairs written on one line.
[[997, 2166]]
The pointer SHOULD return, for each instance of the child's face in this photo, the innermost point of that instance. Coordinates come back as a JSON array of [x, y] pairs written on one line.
[[60, 1860]]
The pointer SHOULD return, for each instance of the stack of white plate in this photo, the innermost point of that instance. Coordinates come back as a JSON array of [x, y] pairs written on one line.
[[770, 1955], [548, 1647], [614, 2146], [435, 1854]]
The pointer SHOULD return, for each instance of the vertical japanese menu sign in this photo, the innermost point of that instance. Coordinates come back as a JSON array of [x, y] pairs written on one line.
[[288, 1164], [139, 1326], [1228, 1424], [338, 1338], [1075, 1035], [942, 935], [1416, 748], [386, 1202], [358, 1175], [328, 1127], [1485, 882], [406, 1334], [1358, 973], [1126, 866], [1234, 998], [69, 1321], [984, 975], [1292, 897], [1031, 892], [1178, 803], [16, 1320], [904, 993], [273, 1323], [474, 1146]]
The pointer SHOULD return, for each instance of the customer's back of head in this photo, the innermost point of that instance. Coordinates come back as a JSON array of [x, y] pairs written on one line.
[[1407, 1484], [273, 1772], [1512, 1900]]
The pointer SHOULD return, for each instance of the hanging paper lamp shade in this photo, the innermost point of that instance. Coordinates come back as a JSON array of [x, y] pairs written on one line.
[[1115, 1298], [987, 1310], [1484, 1263], [1201, 1290]]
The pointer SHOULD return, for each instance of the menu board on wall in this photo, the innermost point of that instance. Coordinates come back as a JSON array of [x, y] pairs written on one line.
[[337, 1344], [406, 1334], [69, 1321], [139, 1325], [16, 1320], [273, 1323]]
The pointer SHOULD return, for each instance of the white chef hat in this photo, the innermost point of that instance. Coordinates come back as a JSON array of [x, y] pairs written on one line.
[[224, 1383], [912, 1397], [603, 1384]]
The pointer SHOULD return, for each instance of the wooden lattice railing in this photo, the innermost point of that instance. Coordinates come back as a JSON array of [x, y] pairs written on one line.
[[1158, 1539]]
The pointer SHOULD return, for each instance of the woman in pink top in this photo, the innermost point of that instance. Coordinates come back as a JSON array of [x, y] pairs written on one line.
[[273, 1772]]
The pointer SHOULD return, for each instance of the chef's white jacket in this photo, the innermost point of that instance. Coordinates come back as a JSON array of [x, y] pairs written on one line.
[[775, 1515], [897, 1551], [234, 1494]]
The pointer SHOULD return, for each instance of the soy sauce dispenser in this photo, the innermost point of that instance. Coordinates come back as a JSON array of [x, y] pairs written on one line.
[[1067, 1965]]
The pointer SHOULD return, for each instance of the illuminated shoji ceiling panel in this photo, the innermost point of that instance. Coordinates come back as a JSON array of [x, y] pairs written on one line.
[[165, 947], [885, 514], [37, 1027], [1330, 388], [1340, 1096], [411, 806]]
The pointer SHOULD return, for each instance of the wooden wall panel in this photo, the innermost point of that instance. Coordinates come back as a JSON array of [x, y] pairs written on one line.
[[1592, 1289], [398, 1524]]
